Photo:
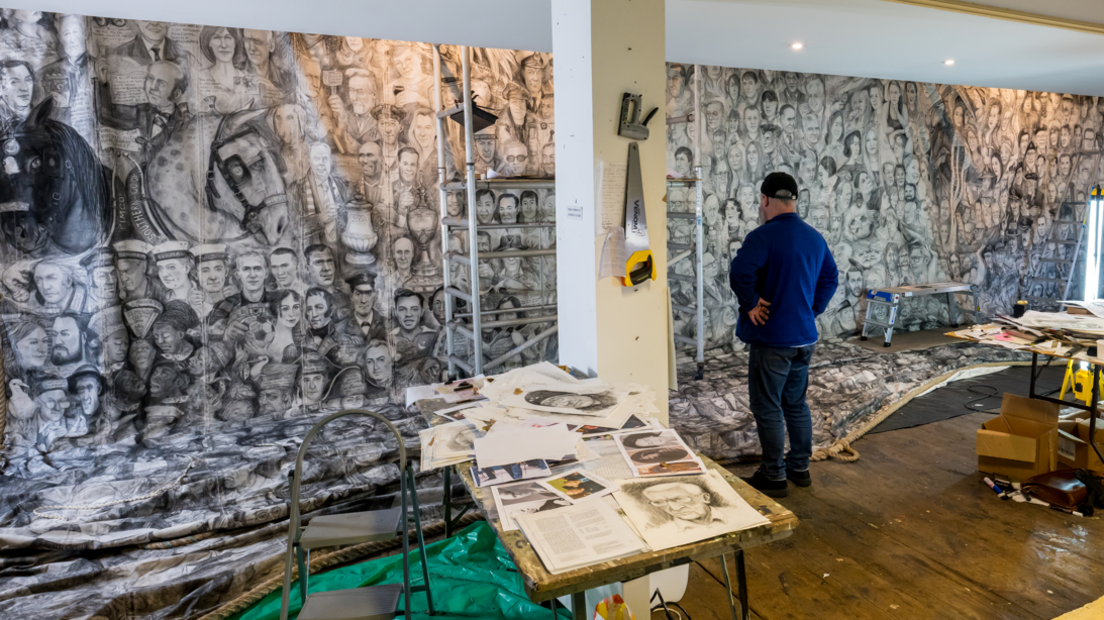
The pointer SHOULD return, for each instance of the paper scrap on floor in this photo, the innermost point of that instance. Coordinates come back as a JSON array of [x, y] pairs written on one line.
[[669, 512], [580, 535]]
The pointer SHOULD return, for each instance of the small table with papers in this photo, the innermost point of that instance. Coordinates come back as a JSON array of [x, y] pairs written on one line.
[[543, 586]]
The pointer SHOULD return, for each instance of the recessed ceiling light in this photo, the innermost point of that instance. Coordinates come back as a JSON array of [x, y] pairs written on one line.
[[949, 62], [798, 46]]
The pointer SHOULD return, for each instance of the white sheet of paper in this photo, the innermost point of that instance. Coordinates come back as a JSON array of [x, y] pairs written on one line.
[[612, 187], [419, 392], [579, 535], [514, 444]]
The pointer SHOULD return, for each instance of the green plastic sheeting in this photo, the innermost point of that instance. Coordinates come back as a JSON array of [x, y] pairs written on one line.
[[471, 574]]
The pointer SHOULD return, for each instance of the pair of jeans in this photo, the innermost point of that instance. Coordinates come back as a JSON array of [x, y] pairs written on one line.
[[777, 381]]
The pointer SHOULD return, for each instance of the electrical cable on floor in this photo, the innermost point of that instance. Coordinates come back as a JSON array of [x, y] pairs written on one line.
[[665, 607], [974, 389]]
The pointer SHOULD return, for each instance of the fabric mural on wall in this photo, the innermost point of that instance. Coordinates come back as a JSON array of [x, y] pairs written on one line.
[[211, 238], [206, 226], [910, 183]]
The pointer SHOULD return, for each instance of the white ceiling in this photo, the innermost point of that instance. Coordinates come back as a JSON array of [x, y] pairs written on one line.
[[869, 38]]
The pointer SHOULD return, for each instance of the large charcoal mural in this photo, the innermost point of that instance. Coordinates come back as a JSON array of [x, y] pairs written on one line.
[[212, 237], [205, 226], [909, 182]]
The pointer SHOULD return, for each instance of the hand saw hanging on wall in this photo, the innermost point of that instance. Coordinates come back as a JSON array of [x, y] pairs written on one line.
[[640, 266]]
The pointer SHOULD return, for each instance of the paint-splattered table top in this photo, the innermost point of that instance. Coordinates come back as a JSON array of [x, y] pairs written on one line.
[[541, 585]]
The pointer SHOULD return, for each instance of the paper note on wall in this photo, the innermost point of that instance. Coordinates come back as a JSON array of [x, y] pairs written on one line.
[[611, 180], [614, 255]]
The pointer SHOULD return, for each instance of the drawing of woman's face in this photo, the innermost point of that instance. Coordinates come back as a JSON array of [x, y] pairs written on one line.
[[423, 129], [290, 312], [222, 46], [34, 348]]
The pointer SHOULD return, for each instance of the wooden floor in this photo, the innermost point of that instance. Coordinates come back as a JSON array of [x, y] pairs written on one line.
[[910, 532], [904, 340]]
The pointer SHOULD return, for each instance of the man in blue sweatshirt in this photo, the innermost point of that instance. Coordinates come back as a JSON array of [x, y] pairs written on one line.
[[783, 277]]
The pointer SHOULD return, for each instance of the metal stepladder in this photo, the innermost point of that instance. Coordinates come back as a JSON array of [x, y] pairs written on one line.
[[1058, 268], [890, 298], [367, 603]]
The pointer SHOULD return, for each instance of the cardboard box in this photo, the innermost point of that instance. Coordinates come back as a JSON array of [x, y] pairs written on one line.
[[1074, 451], [1022, 441]]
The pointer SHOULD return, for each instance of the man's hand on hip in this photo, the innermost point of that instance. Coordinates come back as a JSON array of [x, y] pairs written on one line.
[[760, 313]]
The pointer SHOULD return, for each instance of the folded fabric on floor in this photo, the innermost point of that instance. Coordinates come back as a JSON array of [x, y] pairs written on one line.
[[847, 385], [471, 574]]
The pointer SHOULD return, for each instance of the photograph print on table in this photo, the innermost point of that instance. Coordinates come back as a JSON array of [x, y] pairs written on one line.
[[490, 476], [658, 453], [522, 498], [681, 510], [577, 485]]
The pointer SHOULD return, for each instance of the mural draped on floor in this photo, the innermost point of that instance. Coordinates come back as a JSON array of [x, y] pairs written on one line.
[[909, 183]]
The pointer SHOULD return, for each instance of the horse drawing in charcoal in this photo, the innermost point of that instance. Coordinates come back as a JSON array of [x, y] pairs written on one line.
[[241, 195], [53, 189]]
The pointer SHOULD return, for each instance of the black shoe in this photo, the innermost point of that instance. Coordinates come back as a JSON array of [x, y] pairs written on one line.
[[800, 478], [770, 488]]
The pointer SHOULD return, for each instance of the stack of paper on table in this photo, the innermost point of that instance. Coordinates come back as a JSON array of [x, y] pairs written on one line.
[[448, 444], [579, 535], [559, 457]]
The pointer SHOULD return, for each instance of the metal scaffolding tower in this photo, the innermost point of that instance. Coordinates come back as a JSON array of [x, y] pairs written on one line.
[[694, 249], [471, 323]]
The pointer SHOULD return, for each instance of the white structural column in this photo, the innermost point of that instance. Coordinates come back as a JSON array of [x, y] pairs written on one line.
[[602, 49]]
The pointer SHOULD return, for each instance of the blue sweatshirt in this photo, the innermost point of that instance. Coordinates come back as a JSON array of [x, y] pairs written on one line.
[[787, 263]]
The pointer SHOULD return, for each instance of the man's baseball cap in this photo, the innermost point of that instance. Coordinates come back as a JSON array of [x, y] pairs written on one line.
[[779, 185]]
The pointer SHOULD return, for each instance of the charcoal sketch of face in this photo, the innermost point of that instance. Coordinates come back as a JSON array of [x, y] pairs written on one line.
[[142, 354], [32, 346], [581, 402], [88, 394], [485, 207], [17, 89], [212, 275], [68, 341], [314, 387], [688, 503], [115, 347], [53, 282], [284, 267], [408, 166], [403, 253], [321, 267], [408, 312], [378, 364], [317, 312], [508, 209]]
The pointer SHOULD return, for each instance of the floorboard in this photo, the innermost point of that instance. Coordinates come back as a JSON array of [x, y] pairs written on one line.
[[910, 532]]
